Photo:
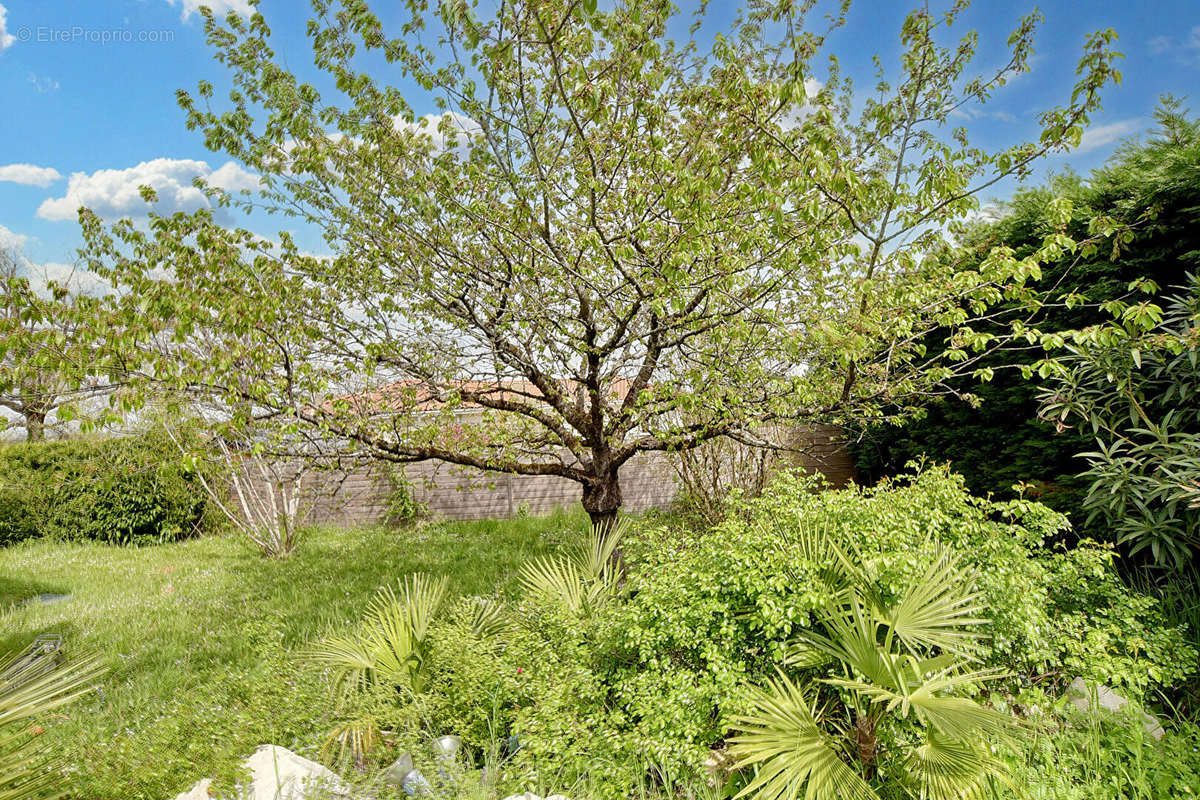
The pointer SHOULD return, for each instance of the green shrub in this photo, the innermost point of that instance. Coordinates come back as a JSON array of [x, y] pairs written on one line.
[[713, 611], [547, 681], [129, 490], [19, 509], [1071, 755], [403, 508], [609, 696], [1002, 441], [1136, 389]]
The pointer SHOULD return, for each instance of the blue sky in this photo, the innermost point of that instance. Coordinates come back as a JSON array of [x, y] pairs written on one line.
[[89, 111]]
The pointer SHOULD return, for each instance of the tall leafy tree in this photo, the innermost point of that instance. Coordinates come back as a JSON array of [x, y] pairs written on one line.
[[993, 433], [45, 363], [609, 242]]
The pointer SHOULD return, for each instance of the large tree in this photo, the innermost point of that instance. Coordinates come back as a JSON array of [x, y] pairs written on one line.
[[45, 364], [607, 242]]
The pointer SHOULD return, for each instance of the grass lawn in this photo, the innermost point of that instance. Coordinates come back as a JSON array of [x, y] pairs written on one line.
[[202, 638]]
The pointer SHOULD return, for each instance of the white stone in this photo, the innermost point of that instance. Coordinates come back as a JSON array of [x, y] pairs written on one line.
[[197, 792], [1082, 696], [277, 773], [526, 796]]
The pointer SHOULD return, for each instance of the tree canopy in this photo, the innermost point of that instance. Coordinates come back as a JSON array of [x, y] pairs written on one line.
[[609, 241], [46, 365]]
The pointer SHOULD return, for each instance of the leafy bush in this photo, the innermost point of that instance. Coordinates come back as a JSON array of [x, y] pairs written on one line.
[[1070, 755], [131, 490], [1137, 391], [1002, 441], [902, 666], [709, 474], [403, 507], [606, 696], [19, 508], [714, 611]]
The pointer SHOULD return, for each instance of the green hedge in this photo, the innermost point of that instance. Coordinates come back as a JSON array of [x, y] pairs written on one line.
[[128, 490]]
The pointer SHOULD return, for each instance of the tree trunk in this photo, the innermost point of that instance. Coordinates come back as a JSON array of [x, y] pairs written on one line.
[[35, 425], [602, 499], [866, 743]]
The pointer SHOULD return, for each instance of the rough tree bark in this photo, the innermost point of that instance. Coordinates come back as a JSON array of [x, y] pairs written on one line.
[[35, 424]]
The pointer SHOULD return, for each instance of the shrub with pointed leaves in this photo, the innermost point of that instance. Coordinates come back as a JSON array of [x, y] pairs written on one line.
[[584, 580], [389, 648], [1136, 388]]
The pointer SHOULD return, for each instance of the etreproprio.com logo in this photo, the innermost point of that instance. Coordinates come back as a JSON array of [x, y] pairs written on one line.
[[47, 34]]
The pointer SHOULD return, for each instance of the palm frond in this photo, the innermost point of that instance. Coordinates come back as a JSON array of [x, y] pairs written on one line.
[[582, 580], [960, 717], [422, 595], [556, 580], [27, 772], [950, 769], [905, 659], [596, 555], [352, 741], [389, 647], [780, 739], [350, 659], [486, 617], [802, 655], [28, 688], [31, 688], [938, 610], [849, 633]]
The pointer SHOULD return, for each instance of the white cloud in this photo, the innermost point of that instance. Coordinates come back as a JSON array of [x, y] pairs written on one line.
[[233, 178], [219, 7], [10, 240], [989, 212], [1185, 51], [458, 126], [29, 174], [1160, 44], [68, 276], [1103, 135], [43, 83], [798, 113], [6, 38], [116, 192], [975, 112]]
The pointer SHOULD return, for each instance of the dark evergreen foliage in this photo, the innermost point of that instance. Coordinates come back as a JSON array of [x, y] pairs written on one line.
[[1152, 184]]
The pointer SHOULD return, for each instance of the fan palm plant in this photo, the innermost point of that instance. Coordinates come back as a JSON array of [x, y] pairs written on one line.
[[584, 578], [29, 687], [390, 647], [388, 651], [908, 660], [487, 617]]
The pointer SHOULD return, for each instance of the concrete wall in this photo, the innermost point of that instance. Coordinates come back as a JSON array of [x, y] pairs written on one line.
[[450, 492]]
